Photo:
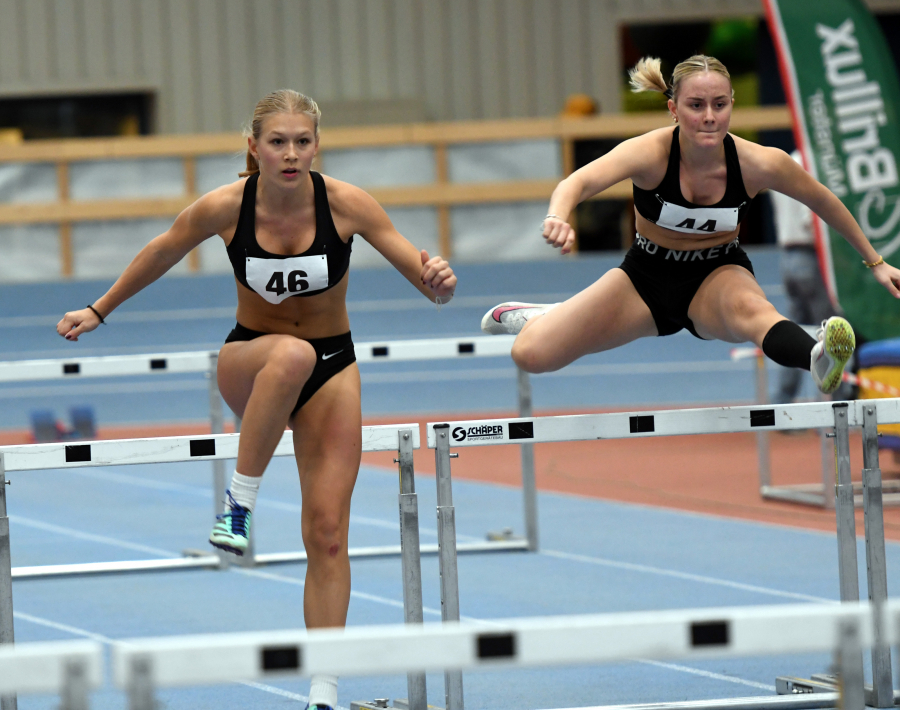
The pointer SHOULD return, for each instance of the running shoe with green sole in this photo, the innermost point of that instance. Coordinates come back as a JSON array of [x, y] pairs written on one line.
[[232, 529], [829, 356]]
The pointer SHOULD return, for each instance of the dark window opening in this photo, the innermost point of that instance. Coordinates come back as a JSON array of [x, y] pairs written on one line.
[[78, 116]]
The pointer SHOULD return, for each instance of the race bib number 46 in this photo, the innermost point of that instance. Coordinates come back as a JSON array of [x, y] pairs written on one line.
[[278, 279]]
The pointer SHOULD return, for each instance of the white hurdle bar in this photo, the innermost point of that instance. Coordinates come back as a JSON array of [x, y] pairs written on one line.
[[839, 416], [508, 643], [820, 495], [171, 449], [205, 361], [70, 669], [402, 438]]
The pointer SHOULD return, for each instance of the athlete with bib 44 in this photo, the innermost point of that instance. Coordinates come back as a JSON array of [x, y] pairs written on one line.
[[290, 359], [692, 186]]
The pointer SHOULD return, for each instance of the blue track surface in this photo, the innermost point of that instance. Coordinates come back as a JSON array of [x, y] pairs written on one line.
[[178, 314], [596, 556]]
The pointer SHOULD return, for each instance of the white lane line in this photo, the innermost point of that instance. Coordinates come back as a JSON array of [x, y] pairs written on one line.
[[378, 378], [296, 581], [353, 306], [68, 388], [505, 373], [703, 579], [153, 484], [707, 674], [79, 535], [74, 630], [397, 605], [106, 640]]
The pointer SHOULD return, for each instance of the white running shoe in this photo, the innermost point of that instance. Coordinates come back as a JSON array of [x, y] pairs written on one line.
[[509, 318], [829, 356]]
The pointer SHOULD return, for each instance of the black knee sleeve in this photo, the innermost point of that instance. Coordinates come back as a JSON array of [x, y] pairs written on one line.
[[788, 344]]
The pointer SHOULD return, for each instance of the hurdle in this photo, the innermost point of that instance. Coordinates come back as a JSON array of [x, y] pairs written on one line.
[[70, 669], [142, 665], [839, 416], [402, 438], [205, 362], [820, 495]]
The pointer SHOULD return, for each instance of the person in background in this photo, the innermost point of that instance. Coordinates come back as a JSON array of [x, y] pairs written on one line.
[[808, 302]]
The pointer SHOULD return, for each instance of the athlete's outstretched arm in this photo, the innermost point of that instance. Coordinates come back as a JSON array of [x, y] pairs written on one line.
[[629, 159], [431, 275], [775, 169], [207, 216]]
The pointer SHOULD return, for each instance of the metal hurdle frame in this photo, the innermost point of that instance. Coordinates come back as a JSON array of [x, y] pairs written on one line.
[[141, 665], [376, 351], [169, 449], [839, 416], [70, 669], [403, 438], [819, 495]]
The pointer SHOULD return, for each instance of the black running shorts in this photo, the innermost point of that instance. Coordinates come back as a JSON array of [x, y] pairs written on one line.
[[333, 354], [667, 280]]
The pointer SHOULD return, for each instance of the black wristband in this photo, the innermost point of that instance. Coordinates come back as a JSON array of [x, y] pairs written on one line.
[[97, 313]]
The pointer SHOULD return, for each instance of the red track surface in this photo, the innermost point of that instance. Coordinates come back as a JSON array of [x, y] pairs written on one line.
[[713, 474]]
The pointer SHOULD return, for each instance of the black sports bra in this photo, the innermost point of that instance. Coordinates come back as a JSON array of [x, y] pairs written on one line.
[[276, 277], [666, 206]]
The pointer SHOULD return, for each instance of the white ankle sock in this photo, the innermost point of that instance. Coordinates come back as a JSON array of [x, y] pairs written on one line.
[[323, 690], [243, 490]]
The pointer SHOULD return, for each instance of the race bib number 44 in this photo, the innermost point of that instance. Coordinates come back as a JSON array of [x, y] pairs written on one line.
[[278, 279], [698, 220]]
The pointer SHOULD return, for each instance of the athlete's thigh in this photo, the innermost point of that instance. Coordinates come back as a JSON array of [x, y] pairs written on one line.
[[328, 441], [239, 363], [605, 315], [728, 304]]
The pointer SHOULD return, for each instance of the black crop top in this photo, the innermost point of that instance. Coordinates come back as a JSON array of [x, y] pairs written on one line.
[[666, 206], [276, 277]]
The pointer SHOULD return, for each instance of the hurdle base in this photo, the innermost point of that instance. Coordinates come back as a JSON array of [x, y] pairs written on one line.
[[384, 704], [804, 701], [198, 559], [403, 704], [813, 494], [821, 683], [517, 544], [377, 704]]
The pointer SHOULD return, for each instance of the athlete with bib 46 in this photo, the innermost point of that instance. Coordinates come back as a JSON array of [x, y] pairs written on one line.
[[692, 186], [290, 359]]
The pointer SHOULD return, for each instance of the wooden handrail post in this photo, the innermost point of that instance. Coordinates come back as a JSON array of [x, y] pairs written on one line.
[[190, 190], [445, 239], [66, 256]]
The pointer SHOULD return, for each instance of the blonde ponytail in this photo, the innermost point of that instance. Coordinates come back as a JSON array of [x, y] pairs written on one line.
[[647, 75]]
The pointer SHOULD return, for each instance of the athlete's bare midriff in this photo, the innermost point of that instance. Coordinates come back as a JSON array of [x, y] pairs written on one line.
[[305, 317], [677, 240]]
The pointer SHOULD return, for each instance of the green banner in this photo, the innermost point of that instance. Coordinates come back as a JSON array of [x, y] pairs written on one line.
[[842, 87]]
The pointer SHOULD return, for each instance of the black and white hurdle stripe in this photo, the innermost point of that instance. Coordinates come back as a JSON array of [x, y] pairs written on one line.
[[839, 416], [140, 666]]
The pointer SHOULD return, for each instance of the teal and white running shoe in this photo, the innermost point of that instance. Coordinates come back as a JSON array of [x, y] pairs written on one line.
[[829, 356], [509, 318], [232, 529]]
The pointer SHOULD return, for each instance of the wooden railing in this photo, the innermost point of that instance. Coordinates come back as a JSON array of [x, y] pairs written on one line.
[[442, 194]]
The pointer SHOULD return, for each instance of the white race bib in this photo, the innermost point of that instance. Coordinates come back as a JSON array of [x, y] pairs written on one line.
[[698, 220], [278, 279]]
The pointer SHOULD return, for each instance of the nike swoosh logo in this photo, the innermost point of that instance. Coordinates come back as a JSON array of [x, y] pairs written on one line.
[[500, 311], [325, 357]]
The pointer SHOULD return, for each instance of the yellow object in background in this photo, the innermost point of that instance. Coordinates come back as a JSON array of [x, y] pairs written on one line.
[[886, 375], [11, 136]]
